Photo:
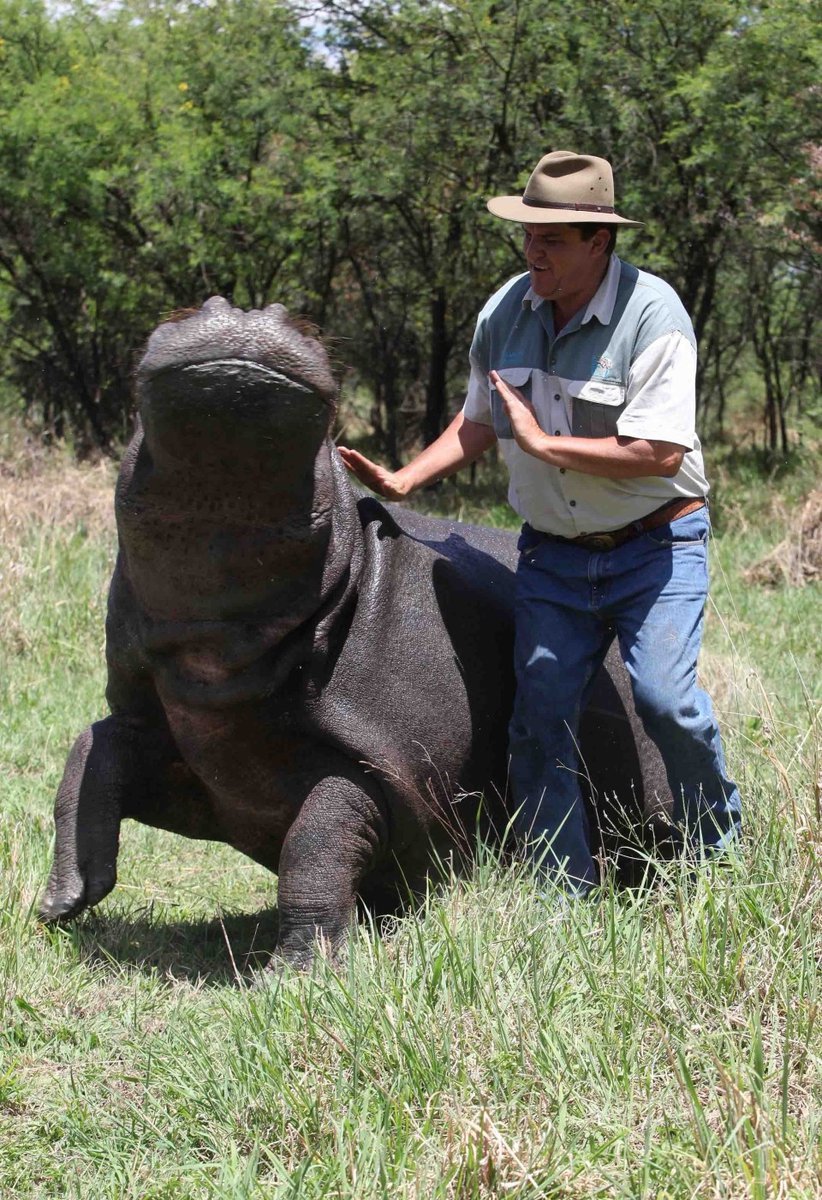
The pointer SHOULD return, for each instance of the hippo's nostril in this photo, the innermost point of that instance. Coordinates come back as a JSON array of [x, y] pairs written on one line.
[[276, 310], [215, 302]]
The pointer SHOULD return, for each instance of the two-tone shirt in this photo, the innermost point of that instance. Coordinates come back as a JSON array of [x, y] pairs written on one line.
[[625, 366]]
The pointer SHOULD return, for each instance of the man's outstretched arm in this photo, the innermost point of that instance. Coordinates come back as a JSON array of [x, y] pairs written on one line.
[[463, 442]]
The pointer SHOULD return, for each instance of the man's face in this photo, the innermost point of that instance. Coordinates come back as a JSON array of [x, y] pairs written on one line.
[[561, 265]]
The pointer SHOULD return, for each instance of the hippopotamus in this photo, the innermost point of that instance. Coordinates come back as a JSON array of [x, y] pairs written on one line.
[[313, 677]]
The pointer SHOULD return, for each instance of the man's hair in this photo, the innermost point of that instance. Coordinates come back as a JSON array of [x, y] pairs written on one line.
[[588, 229]]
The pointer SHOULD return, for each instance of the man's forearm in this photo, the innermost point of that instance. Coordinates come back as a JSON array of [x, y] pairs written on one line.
[[462, 443], [610, 457]]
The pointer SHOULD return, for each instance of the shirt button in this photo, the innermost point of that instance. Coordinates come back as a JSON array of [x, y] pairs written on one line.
[[557, 396], [573, 503], [556, 433], [562, 470]]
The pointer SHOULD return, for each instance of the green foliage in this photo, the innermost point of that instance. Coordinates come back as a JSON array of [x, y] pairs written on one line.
[[412, 93], [147, 164], [159, 151]]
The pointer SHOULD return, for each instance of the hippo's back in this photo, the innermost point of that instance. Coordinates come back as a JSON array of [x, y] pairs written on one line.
[[469, 569], [422, 685], [625, 777], [461, 543]]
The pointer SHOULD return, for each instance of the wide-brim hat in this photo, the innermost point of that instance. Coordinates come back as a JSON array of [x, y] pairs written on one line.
[[564, 187]]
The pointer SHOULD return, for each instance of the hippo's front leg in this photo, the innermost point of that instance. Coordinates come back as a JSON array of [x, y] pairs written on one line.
[[336, 838], [90, 803]]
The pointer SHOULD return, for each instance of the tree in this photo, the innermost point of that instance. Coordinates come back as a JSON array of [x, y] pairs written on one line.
[[169, 149], [150, 158], [705, 106], [420, 120]]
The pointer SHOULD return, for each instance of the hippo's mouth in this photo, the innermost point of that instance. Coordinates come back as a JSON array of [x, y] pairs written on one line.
[[228, 370], [219, 345], [223, 415]]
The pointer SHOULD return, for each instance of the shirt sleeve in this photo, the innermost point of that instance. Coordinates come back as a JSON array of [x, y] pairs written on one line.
[[662, 393], [477, 405]]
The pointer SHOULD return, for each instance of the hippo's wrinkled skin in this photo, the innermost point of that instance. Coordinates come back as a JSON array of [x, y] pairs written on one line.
[[316, 679]]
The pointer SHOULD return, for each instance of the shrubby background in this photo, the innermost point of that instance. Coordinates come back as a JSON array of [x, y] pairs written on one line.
[[336, 157]]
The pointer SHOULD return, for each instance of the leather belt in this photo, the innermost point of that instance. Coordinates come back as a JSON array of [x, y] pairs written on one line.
[[616, 537]]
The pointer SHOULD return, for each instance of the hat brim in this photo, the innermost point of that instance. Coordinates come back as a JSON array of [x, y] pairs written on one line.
[[514, 208]]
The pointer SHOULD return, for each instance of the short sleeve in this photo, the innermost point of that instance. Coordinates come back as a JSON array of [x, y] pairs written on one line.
[[662, 393], [477, 405]]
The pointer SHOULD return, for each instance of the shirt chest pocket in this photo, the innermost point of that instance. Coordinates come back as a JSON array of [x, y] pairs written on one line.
[[518, 377], [597, 406]]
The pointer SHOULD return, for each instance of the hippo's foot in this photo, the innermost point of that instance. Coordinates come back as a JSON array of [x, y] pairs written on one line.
[[64, 899], [299, 955], [300, 948], [327, 852]]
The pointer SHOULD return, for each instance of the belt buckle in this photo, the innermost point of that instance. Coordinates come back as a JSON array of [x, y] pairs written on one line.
[[599, 541]]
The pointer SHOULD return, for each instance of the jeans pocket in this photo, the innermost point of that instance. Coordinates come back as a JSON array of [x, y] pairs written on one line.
[[691, 530], [529, 540]]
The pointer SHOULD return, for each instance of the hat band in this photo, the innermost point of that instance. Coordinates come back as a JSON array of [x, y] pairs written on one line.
[[597, 208]]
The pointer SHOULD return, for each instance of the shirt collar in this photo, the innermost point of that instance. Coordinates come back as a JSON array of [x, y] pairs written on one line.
[[601, 304]]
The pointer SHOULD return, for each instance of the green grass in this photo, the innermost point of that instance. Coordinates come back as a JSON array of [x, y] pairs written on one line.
[[650, 1045]]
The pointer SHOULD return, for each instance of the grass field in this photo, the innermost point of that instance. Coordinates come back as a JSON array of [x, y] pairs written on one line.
[[663, 1045]]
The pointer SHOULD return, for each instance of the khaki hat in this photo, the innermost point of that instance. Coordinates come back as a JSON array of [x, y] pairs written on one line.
[[564, 187]]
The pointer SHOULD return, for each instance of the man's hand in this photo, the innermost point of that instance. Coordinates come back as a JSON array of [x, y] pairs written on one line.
[[389, 484], [527, 433], [460, 444], [606, 457]]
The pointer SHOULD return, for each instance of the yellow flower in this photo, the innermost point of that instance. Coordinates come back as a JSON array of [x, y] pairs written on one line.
[[183, 87]]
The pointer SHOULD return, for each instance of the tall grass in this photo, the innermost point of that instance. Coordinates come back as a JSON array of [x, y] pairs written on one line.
[[659, 1044]]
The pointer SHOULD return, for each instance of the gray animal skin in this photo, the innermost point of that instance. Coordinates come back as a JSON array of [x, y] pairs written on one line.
[[319, 680]]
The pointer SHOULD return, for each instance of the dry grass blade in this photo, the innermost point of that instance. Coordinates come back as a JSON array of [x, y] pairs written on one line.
[[47, 488], [797, 560]]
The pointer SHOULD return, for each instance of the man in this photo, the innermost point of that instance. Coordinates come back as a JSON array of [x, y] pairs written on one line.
[[583, 369]]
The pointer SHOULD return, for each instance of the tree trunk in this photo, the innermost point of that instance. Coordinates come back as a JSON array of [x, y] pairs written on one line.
[[436, 399]]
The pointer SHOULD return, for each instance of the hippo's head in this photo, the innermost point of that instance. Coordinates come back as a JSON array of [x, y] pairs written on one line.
[[247, 382], [227, 497]]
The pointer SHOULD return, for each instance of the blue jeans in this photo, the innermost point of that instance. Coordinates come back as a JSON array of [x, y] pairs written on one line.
[[570, 600]]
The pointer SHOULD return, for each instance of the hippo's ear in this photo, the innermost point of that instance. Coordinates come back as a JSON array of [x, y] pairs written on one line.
[[179, 314], [304, 326]]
